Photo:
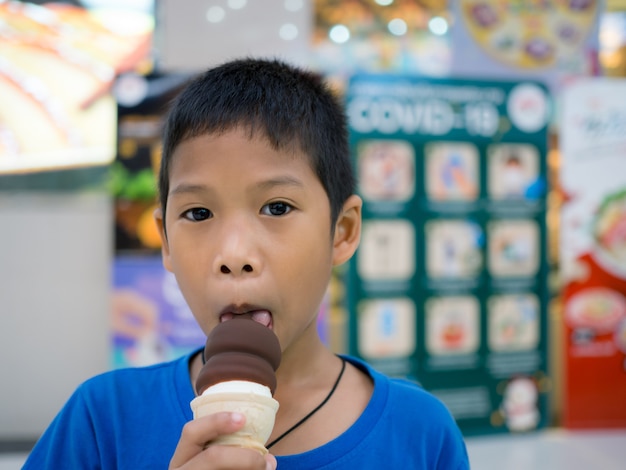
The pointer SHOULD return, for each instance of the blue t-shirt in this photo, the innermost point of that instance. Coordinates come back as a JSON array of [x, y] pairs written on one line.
[[132, 418]]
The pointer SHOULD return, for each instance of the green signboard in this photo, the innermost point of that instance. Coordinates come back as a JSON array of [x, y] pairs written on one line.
[[449, 286]]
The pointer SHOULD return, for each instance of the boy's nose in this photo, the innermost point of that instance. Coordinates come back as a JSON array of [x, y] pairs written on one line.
[[238, 251], [227, 270]]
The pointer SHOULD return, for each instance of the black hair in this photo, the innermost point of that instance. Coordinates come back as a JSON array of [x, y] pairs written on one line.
[[292, 107]]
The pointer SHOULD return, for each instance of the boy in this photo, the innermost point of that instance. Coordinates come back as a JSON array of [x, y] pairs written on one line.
[[257, 206]]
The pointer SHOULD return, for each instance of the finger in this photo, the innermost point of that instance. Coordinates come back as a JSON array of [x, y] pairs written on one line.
[[270, 462], [229, 457], [198, 432]]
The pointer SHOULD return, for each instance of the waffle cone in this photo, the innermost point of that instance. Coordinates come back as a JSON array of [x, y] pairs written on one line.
[[260, 412]]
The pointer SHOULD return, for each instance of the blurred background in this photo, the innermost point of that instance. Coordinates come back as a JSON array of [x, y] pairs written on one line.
[[489, 141]]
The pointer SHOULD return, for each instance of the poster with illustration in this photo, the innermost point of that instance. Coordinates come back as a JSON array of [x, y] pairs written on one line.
[[513, 172], [449, 285], [386, 170], [593, 252], [513, 322], [387, 250], [529, 34], [513, 247], [453, 248], [451, 171], [553, 41], [386, 328], [453, 325], [150, 319]]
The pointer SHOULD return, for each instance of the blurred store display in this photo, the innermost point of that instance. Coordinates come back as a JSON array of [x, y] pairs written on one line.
[[57, 65], [133, 173], [409, 36]]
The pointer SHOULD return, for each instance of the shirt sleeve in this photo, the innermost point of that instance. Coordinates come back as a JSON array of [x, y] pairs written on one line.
[[453, 452], [69, 441]]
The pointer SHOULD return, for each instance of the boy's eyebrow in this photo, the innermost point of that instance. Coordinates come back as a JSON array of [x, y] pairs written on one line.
[[186, 188], [281, 181]]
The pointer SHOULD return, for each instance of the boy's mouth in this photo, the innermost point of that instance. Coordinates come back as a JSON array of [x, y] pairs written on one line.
[[259, 315]]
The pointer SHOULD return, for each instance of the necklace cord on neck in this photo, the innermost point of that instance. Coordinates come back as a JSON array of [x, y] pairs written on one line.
[[312, 412]]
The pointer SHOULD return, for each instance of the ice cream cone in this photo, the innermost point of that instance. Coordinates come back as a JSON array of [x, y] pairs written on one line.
[[260, 412]]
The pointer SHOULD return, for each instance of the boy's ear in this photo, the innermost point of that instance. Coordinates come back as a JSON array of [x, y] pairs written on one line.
[[165, 249], [347, 230]]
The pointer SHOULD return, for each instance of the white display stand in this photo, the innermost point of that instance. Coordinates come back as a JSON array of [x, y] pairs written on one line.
[[55, 257]]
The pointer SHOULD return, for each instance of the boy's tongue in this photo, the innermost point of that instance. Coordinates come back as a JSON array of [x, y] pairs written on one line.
[[260, 316]]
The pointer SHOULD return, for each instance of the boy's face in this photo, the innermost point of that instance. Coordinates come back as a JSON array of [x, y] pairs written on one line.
[[248, 231]]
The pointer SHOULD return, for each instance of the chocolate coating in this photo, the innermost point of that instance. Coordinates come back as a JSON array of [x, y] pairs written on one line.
[[240, 349]]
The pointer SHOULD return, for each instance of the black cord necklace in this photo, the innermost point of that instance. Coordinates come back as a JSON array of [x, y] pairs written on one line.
[[330, 394]]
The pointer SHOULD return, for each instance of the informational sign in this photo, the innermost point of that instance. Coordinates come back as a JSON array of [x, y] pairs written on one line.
[[593, 252], [150, 319], [448, 287]]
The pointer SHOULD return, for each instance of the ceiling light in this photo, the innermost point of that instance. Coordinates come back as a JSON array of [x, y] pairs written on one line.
[[339, 34], [293, 5], [237, 4], [397, 27], [288, 32], [438, 25], [215, 14]]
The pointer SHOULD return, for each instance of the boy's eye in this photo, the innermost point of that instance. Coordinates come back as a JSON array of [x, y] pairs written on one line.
[[197, 214], [276, 208]]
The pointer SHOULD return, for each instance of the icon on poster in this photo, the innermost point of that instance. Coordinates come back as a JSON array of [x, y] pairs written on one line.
[[513, 248], [451, 171], [453, 249], [513, 172], [520, 404], [513, 322], [387, 250], [386, 170], [386, 328], [452, 325]]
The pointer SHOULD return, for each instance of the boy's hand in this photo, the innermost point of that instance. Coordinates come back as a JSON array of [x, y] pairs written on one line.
[[192, 451]]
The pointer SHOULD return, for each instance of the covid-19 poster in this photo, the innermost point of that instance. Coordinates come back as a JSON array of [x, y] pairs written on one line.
[[448, 287]]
